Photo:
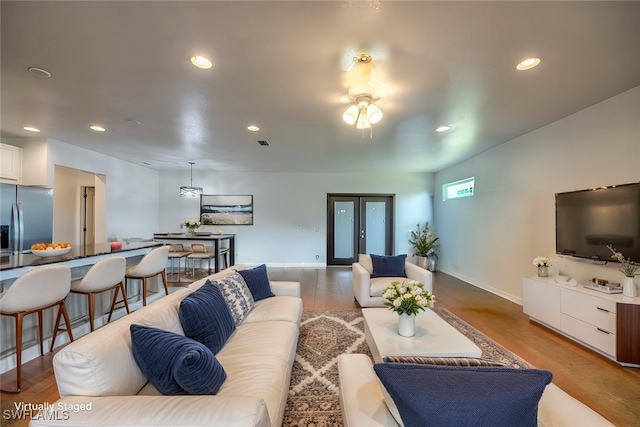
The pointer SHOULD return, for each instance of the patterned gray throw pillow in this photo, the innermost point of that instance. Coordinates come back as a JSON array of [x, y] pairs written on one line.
[[237, 294]]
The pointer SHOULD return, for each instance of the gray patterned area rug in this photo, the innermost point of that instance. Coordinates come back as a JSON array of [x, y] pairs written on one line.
[[313, 395]]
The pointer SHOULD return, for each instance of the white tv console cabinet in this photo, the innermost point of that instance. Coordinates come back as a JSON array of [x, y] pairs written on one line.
[[607, 323]]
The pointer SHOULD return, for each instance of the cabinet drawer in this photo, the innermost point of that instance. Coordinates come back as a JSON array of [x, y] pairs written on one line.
[[593, 310], [589, 334]]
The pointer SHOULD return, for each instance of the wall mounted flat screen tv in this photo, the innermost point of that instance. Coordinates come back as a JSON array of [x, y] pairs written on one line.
[[589, 220]]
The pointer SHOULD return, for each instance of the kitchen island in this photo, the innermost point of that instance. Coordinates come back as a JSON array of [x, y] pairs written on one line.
[[12, 266]]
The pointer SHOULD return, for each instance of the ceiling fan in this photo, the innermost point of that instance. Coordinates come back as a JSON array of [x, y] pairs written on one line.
[[363, 87], [348, 59], [366, 75]]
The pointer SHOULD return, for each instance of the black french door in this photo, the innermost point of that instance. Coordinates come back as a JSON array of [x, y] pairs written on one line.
[[358, 224]]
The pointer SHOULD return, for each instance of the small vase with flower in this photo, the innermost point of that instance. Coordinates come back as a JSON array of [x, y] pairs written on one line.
[[543, 263], [407, 298], [192, 225], [629, 269]]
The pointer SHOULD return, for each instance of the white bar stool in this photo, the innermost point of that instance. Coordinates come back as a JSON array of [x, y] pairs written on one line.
[[178, 252], [199, 252], [105, 275], [34, 292], [151, 265]]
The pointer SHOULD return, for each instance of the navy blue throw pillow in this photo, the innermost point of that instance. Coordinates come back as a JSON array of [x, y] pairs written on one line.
[[439, 396], [175, 364], [206, 318], [258, 282], [388, 266]]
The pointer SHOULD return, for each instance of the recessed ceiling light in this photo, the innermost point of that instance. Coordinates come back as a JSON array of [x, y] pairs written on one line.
[[31, 129], [528, 64], [253, 128], [443, 128], [97, 128], [133, 121], [201, 62], [39, 72]]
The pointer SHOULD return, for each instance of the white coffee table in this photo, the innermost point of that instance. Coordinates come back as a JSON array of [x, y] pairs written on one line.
[[434, 337]]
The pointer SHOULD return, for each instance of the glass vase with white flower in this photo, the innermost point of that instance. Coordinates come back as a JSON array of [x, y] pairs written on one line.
[[192, 224], [543, 263]]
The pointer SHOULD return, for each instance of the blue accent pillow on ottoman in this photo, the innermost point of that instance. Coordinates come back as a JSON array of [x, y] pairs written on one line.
[[388, 266], [206, 318], [258, 282], [443, 396], [175, 364]]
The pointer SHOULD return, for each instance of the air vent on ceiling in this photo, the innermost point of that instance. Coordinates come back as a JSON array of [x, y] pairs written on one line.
[[264, 143]]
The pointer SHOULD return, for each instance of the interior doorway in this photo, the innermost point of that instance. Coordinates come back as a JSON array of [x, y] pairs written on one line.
[[87, 217], [358, 224], [70, 215]]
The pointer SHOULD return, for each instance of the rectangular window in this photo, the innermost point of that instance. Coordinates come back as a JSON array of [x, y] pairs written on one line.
[[455, 190]]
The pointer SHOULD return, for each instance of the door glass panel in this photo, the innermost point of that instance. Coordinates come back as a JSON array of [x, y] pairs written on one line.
[[375, 227], [343, 242]]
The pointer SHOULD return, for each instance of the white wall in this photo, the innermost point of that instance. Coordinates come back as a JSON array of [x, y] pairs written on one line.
[[283, 202], [491, 239], [131, 190]]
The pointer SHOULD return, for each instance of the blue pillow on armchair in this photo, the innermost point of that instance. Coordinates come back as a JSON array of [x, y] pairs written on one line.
[[388, 266], [175, 364], [443, 396]]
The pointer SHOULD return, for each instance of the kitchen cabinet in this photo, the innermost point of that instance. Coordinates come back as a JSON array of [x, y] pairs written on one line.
[[10, 164]]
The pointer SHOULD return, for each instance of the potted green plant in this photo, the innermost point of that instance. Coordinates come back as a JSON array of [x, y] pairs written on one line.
[[424, 245]]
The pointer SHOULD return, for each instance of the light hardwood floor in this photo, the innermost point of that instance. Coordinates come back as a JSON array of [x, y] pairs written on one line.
[[610, 389]]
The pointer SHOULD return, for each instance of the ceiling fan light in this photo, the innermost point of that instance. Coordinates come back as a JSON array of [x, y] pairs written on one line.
[[374, 113], [363, 122], [350, 115]]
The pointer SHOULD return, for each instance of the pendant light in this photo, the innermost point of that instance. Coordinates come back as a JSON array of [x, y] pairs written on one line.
[[190, 191]]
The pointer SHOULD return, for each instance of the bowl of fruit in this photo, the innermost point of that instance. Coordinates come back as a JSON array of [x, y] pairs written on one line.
[[47, 250]]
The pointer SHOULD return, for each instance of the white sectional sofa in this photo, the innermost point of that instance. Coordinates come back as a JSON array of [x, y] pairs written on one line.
[[100, 383], [363, 404]]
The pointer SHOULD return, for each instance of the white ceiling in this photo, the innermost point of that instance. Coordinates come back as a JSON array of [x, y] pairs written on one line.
[[277, 64]]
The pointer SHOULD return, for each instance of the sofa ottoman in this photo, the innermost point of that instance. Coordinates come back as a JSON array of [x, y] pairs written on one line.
[[363, 405]]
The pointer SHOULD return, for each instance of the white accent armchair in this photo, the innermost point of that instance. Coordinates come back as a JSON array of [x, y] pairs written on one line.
[[368, 291]]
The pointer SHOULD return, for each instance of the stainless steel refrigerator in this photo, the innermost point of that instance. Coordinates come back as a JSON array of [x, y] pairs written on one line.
[[26, 217]]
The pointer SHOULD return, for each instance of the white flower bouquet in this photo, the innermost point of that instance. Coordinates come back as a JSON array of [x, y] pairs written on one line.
[[627, 267], [407, 297], [542, 261], [192, 224]]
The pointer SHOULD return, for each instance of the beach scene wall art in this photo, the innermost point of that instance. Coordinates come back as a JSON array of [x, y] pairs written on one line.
[[226, 210]]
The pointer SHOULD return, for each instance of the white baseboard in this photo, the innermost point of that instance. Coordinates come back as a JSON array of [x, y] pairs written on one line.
[[484, 286], [288, 264]]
